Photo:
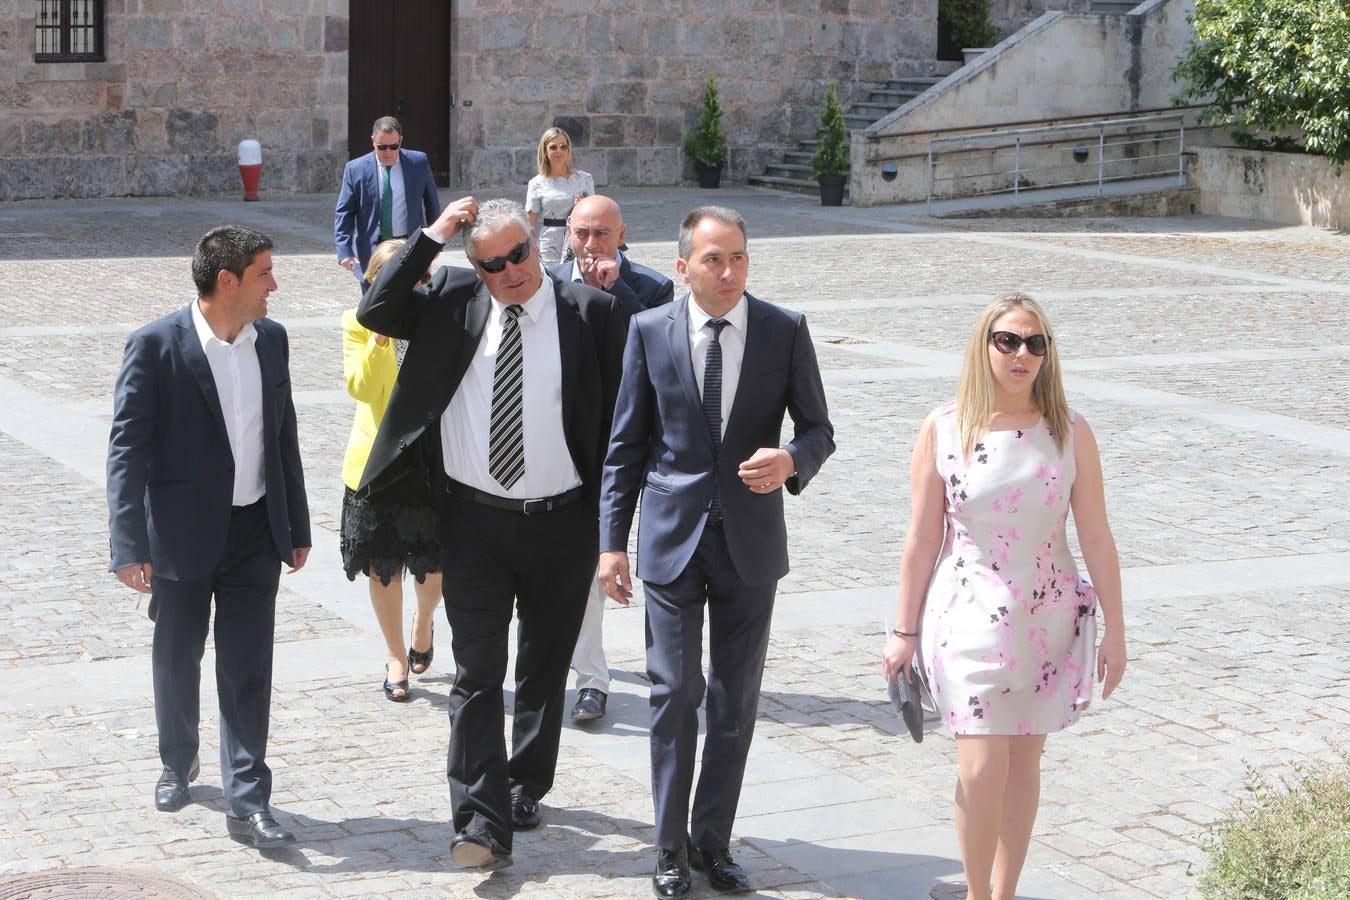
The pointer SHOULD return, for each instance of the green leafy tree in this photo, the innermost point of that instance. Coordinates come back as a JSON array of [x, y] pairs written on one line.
[[967, 21], [1272, 66], [708, 143], [831, 157]]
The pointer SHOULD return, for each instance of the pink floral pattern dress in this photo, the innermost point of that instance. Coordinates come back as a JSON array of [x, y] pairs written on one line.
[[1008, 636]]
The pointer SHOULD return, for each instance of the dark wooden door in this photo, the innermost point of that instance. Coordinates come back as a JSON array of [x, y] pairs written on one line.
[[399, 65]]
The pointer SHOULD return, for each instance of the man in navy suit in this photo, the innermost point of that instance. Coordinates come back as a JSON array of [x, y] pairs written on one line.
[[595, 230], [706, 382], [206, 500], [388, 193]]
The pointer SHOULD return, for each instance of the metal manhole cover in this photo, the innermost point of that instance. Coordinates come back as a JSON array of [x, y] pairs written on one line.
[[104, 884]]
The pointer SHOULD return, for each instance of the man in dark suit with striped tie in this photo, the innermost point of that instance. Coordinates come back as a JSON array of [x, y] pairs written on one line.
[[511, 376]]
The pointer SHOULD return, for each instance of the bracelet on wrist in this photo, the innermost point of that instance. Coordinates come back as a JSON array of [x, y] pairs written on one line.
[[898, 633]]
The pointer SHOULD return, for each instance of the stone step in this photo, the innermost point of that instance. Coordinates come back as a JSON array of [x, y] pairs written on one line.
[[789, 170], [894, 99], [916, 83], [795, 185], [855, 122], [798, 157], [872, 109]]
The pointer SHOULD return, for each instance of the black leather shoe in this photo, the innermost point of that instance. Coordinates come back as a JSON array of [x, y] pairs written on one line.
[[590, 705], [171, 791], [672, 877], [721, 869], [479, 850], [525, 812], [419, 661], [258, 830]]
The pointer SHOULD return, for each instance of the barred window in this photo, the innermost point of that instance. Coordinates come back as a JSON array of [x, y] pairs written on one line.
[[69, 31]]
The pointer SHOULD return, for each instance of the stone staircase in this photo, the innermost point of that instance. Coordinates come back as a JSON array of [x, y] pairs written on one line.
[[794, 172], [1113, 7]]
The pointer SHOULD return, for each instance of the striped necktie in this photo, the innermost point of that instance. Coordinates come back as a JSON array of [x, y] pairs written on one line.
[[506, 432], [712, 399]]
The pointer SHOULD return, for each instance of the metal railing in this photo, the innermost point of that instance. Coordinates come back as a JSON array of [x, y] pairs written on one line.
[[1113, 137]]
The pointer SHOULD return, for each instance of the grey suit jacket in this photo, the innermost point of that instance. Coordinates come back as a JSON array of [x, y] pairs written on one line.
[[170, 467], [660, 446]]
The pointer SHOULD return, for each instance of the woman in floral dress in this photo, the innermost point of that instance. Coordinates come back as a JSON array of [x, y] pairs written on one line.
[[550, 194], [1002, 626]]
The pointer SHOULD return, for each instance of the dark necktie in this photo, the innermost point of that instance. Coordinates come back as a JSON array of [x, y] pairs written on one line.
[[506, 433], [712, 399], [386, 204]]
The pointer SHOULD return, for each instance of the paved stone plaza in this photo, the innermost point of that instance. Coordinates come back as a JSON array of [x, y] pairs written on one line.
[[1210, 356]]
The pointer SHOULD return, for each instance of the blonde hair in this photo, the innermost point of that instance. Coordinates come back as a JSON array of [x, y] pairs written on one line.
[[545, 169], [383, 252], [975, 392]]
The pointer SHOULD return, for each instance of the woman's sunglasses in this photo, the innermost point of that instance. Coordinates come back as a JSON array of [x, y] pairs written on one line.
[[1007, 342], [557, 146], [495, 264]]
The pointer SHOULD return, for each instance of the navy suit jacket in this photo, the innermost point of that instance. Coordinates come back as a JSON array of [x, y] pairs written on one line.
[[170, 467], [444, 323], [660, 445], [356, 221], [638, 287]]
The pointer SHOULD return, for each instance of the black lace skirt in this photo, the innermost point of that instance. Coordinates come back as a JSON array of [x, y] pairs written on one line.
[[390, 529]]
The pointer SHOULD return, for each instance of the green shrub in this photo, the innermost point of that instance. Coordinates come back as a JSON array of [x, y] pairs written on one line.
[[1271, 66], [967, 21], [708, 143], [1286, 840], [831, 157]]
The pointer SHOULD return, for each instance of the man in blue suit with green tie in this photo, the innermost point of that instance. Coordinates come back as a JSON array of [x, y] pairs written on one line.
[[388, 193]]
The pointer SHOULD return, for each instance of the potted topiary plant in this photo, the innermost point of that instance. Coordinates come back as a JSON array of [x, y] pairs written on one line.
[[830, 162], [966, 25], [708, 144]]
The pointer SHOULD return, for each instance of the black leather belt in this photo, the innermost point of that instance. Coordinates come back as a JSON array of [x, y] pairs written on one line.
[[555, 223], [527, 507]]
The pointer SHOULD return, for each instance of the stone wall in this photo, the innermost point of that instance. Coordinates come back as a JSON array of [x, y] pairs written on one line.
[[185, 81], [626, 80], [1290, 188]]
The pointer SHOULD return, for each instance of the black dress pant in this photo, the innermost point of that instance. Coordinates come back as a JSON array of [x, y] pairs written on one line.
[[738, 641], [244, 587], [542, 566]]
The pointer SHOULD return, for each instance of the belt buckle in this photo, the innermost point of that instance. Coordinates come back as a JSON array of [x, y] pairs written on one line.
[[527, 510]]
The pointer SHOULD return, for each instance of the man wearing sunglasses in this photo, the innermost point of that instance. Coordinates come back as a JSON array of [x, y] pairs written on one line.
[[595, 232], [511, 378], [388, 193]]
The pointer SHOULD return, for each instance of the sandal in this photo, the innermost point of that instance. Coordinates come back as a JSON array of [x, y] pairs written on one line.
[[422, 658], [391, 686]]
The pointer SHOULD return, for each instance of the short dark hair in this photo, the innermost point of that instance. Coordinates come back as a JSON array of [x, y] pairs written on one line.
[[387, 123], [229, 248], [723, 214]]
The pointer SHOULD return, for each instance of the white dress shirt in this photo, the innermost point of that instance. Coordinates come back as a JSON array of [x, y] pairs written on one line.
[[578, 278], [466, 422], [733, 349], [400, 214], [234, 367]]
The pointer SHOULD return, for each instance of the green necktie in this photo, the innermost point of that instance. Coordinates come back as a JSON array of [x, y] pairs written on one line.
[[386, 205]]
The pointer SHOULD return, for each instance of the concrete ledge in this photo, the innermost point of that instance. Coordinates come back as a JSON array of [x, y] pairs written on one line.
[[1289, 188]]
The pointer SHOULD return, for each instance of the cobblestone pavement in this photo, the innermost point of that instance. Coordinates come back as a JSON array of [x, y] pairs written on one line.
[[1210, 356]]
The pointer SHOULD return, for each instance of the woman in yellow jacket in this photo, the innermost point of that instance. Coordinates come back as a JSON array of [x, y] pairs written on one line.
[[392, 528]]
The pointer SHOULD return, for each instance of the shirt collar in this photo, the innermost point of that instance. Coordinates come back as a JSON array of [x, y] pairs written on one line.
[[533, 307], [206, 336], [576, 266], [735, 316]]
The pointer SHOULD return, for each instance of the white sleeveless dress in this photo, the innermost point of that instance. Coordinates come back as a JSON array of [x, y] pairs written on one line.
[[1008, 636]]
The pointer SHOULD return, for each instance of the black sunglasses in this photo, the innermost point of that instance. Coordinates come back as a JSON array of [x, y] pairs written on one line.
[[387, 146], [494, 264], [557, 146], [1007, 342]]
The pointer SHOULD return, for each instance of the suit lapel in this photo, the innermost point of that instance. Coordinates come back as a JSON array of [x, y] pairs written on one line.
[[190, 347], [569, 348], [677, 336], [475, 320], [753, 361]]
